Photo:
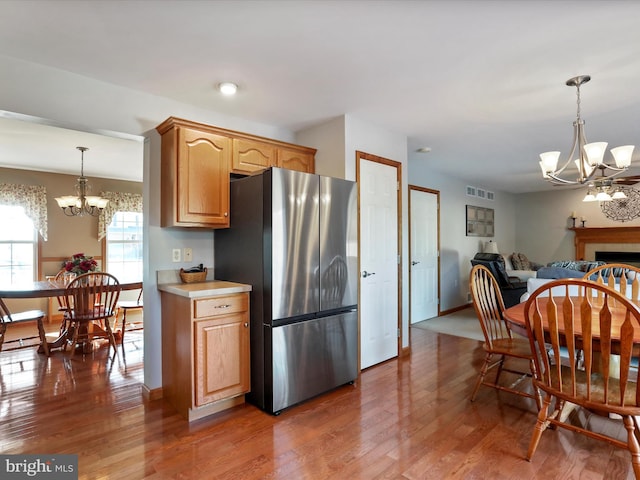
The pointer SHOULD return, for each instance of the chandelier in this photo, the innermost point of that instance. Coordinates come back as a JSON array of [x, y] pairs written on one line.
[[603, 191], [588, 159], [82, 204]]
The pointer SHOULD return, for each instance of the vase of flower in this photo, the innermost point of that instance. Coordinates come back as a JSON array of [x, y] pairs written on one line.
[[78, 265]]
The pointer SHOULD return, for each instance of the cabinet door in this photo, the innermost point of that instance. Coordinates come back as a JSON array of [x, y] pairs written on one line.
[[250, 156], [296, 160], [203, 179], [221, 358]]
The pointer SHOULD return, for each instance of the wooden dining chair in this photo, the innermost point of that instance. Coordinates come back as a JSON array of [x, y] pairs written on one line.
[[8, 318], [620, 276], [126, 306], [500, 343], [59, 279], [577, 320], [92, 299]]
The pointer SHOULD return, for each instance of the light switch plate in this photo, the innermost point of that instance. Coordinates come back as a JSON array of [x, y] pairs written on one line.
[[188, 255]]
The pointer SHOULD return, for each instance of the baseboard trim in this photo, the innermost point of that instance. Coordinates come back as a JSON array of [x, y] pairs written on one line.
[[151, 394], [455, 309]]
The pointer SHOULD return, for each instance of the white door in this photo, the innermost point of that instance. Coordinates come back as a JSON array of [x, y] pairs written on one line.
[[423, 220], [378, 262]]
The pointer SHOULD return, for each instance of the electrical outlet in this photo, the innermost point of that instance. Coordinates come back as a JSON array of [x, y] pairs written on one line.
[[188, 255], [176, 255]]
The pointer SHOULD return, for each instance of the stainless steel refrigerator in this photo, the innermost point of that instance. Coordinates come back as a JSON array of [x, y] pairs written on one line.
[[293, 237]]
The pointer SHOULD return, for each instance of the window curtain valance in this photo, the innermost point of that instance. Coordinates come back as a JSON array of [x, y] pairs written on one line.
[[33, 198], [118, 202]]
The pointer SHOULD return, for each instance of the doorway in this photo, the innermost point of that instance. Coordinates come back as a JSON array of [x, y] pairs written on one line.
[[379, 253], [424, 253]]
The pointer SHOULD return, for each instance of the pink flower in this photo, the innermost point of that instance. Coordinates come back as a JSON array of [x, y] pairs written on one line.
[[80, 263]]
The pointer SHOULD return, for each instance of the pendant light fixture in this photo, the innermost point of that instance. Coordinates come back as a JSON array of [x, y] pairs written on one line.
[[587, 157], [82, 204]]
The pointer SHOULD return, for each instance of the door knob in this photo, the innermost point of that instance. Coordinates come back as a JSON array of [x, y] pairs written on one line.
[[414, 263], [366, 274]]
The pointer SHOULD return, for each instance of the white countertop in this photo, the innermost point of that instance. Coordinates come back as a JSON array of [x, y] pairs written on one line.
[[204, 289]]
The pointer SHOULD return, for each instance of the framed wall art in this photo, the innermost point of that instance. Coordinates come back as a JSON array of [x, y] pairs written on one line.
[[480, 221]]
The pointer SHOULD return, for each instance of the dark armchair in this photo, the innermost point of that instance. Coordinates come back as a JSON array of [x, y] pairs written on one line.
[[511, 288]]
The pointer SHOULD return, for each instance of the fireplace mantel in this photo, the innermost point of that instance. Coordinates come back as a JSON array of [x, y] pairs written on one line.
[[585, 235]]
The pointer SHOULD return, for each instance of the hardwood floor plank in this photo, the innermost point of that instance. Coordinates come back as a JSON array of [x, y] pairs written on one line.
[[404, 419]]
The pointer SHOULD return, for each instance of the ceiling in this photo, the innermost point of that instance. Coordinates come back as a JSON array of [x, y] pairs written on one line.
[[482, 83], [34, 144]]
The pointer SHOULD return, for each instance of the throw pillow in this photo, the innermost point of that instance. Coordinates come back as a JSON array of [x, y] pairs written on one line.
[[520, 261], [515, 261], [526, 265], [535, 266]]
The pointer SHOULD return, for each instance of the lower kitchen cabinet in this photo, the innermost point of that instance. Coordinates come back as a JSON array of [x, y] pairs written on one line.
[[222, 352], [205, 354]]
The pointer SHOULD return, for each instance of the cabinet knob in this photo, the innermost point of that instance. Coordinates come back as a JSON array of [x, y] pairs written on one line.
[[226, 214], [246, 324]]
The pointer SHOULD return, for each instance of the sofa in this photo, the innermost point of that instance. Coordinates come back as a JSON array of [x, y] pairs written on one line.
[[511, 287], [548, 274], [518, 265]]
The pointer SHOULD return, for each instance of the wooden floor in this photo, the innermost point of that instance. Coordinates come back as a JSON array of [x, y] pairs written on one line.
[[404, 419]]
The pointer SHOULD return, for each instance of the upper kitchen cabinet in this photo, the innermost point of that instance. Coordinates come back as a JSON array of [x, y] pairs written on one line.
[[195, 175], [297, 158], [251, 156], [197, 161]]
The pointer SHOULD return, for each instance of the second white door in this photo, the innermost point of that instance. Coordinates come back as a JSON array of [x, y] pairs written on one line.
[[423, 220]]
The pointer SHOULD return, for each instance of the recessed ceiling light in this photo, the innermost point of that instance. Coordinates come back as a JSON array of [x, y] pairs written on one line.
[[424, 150], [228, 88]]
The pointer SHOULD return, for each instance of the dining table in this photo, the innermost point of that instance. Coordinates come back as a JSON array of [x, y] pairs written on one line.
[[47, 289], [515, 318]]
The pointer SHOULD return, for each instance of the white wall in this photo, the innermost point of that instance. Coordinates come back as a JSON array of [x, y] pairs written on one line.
[[535, 224], [328, 138], [456, 249], [543, 218]]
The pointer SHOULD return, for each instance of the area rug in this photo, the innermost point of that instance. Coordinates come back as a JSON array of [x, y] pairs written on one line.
[[463, 323]]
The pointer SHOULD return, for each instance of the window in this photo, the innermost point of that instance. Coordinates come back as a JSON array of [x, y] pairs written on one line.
[[18, 246], [124, 246]]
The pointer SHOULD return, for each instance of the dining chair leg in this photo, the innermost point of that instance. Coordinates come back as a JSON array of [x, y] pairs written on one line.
[[536, 390], [481, 375], [74, 339], [111, 337], [540, 427], [43, 336], [3, 330], [500, 365], [632, 443], [124, 324]]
